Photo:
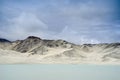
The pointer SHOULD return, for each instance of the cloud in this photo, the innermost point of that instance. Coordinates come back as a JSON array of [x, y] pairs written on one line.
[[24, 25], [74, 36], [79, 21], [29, 22]]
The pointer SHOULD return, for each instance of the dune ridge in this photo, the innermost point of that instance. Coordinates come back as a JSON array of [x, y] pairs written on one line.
[[36, 50]]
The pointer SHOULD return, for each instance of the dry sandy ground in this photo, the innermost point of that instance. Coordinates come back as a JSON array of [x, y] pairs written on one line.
[[13, 57]]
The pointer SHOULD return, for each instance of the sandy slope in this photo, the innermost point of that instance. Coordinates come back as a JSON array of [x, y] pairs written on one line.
[[37, 50], [9, 56], [54, 55]]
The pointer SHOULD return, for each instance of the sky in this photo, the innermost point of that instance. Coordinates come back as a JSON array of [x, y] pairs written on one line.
[[77, 21]]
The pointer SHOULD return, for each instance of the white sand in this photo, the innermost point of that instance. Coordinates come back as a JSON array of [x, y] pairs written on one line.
[[13, 57]]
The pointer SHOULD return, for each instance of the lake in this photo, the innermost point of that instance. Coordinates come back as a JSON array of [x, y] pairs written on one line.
[[59, 72]]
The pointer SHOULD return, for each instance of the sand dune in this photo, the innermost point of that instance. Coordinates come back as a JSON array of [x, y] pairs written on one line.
[[36, 50]]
